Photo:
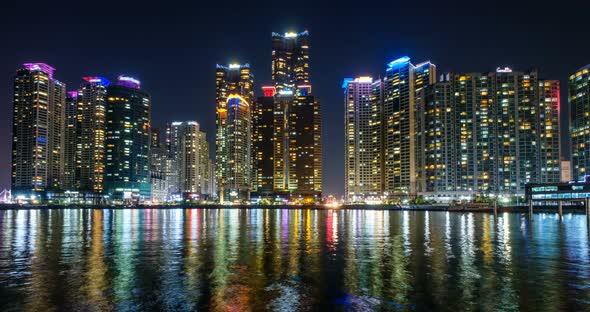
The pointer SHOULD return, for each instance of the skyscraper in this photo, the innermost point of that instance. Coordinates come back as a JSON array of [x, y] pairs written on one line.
[[191, 151], [549, 135], [158, 164], [290, 60], [304, 146], [263, 140], [70, 134], [402, 85], [38, 130], [424, 76], [235, 94], [127, 166], [490, 134], [363, 178], [579, 100], [287, 125], [91, 129]]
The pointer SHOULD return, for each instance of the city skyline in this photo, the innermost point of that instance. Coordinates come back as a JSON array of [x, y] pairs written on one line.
[[324, 59]]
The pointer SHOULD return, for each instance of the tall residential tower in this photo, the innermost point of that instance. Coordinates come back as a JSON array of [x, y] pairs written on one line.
[[287, 126], [362, 141], [37, 130], [579, 100], [234, 98]]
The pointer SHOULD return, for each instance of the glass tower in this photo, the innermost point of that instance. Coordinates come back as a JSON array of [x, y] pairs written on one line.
[[127, 166], [91, 131], [38, 130], [234, 95], [579, 100]]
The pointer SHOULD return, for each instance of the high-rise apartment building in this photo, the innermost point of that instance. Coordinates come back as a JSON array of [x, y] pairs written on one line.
[[362, 141], [91, 132], [287, 151], [304, 145], [466, 134], [290, 60], [402, 85], [38, 131], [158, 173], [70, 181], [263, 141], [191, 151], [490, 134], [127, 165], [549, 135], [579, 100], [235, 94], [424, 76]]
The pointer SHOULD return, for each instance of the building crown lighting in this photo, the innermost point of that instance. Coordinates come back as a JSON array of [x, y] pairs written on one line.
[[398, 62], [96, 80], [130, 82], [41, 67]]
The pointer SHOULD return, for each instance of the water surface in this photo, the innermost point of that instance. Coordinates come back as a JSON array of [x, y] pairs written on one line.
[[240, 260]]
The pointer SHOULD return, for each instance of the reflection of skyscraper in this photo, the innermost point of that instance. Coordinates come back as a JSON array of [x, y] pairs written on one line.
[[233, 138], [127, 172], [38, 126], [579, 99], [91, 123]]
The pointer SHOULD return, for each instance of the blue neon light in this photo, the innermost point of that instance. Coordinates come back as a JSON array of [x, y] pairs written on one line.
[[398, 62], [345, 82]]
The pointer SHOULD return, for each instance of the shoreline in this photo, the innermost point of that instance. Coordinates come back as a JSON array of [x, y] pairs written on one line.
[[509, 209]]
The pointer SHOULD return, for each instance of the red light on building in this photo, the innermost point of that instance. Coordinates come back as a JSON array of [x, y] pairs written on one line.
[[269, 91]]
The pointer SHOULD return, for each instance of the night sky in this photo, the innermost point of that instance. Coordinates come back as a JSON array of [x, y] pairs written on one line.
[[173, 48]]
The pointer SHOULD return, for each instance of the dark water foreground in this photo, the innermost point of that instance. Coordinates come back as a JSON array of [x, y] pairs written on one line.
[[240, 260]]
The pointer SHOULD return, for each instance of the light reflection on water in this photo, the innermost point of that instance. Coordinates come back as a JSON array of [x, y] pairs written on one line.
[[291, 259]]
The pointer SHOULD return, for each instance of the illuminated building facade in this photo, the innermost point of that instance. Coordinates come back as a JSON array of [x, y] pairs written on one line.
[[91, 131], [579, 100], [127, 166], [466, 134], [549, 134], [490, 134], [263, 142], [297, 145], [158, 165], [290, 60], [155, 138], [304, 146], [439, 139], [70, 134], [424, 76], [402, 85], [282, 102], [234, 96], [287, 149], [38, 130], [191, 151], [362, 140]]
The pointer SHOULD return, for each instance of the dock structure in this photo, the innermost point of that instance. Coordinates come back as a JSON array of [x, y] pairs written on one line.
[[570, 192]]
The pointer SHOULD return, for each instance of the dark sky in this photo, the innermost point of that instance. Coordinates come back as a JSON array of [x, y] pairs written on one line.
[[172, 47]]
